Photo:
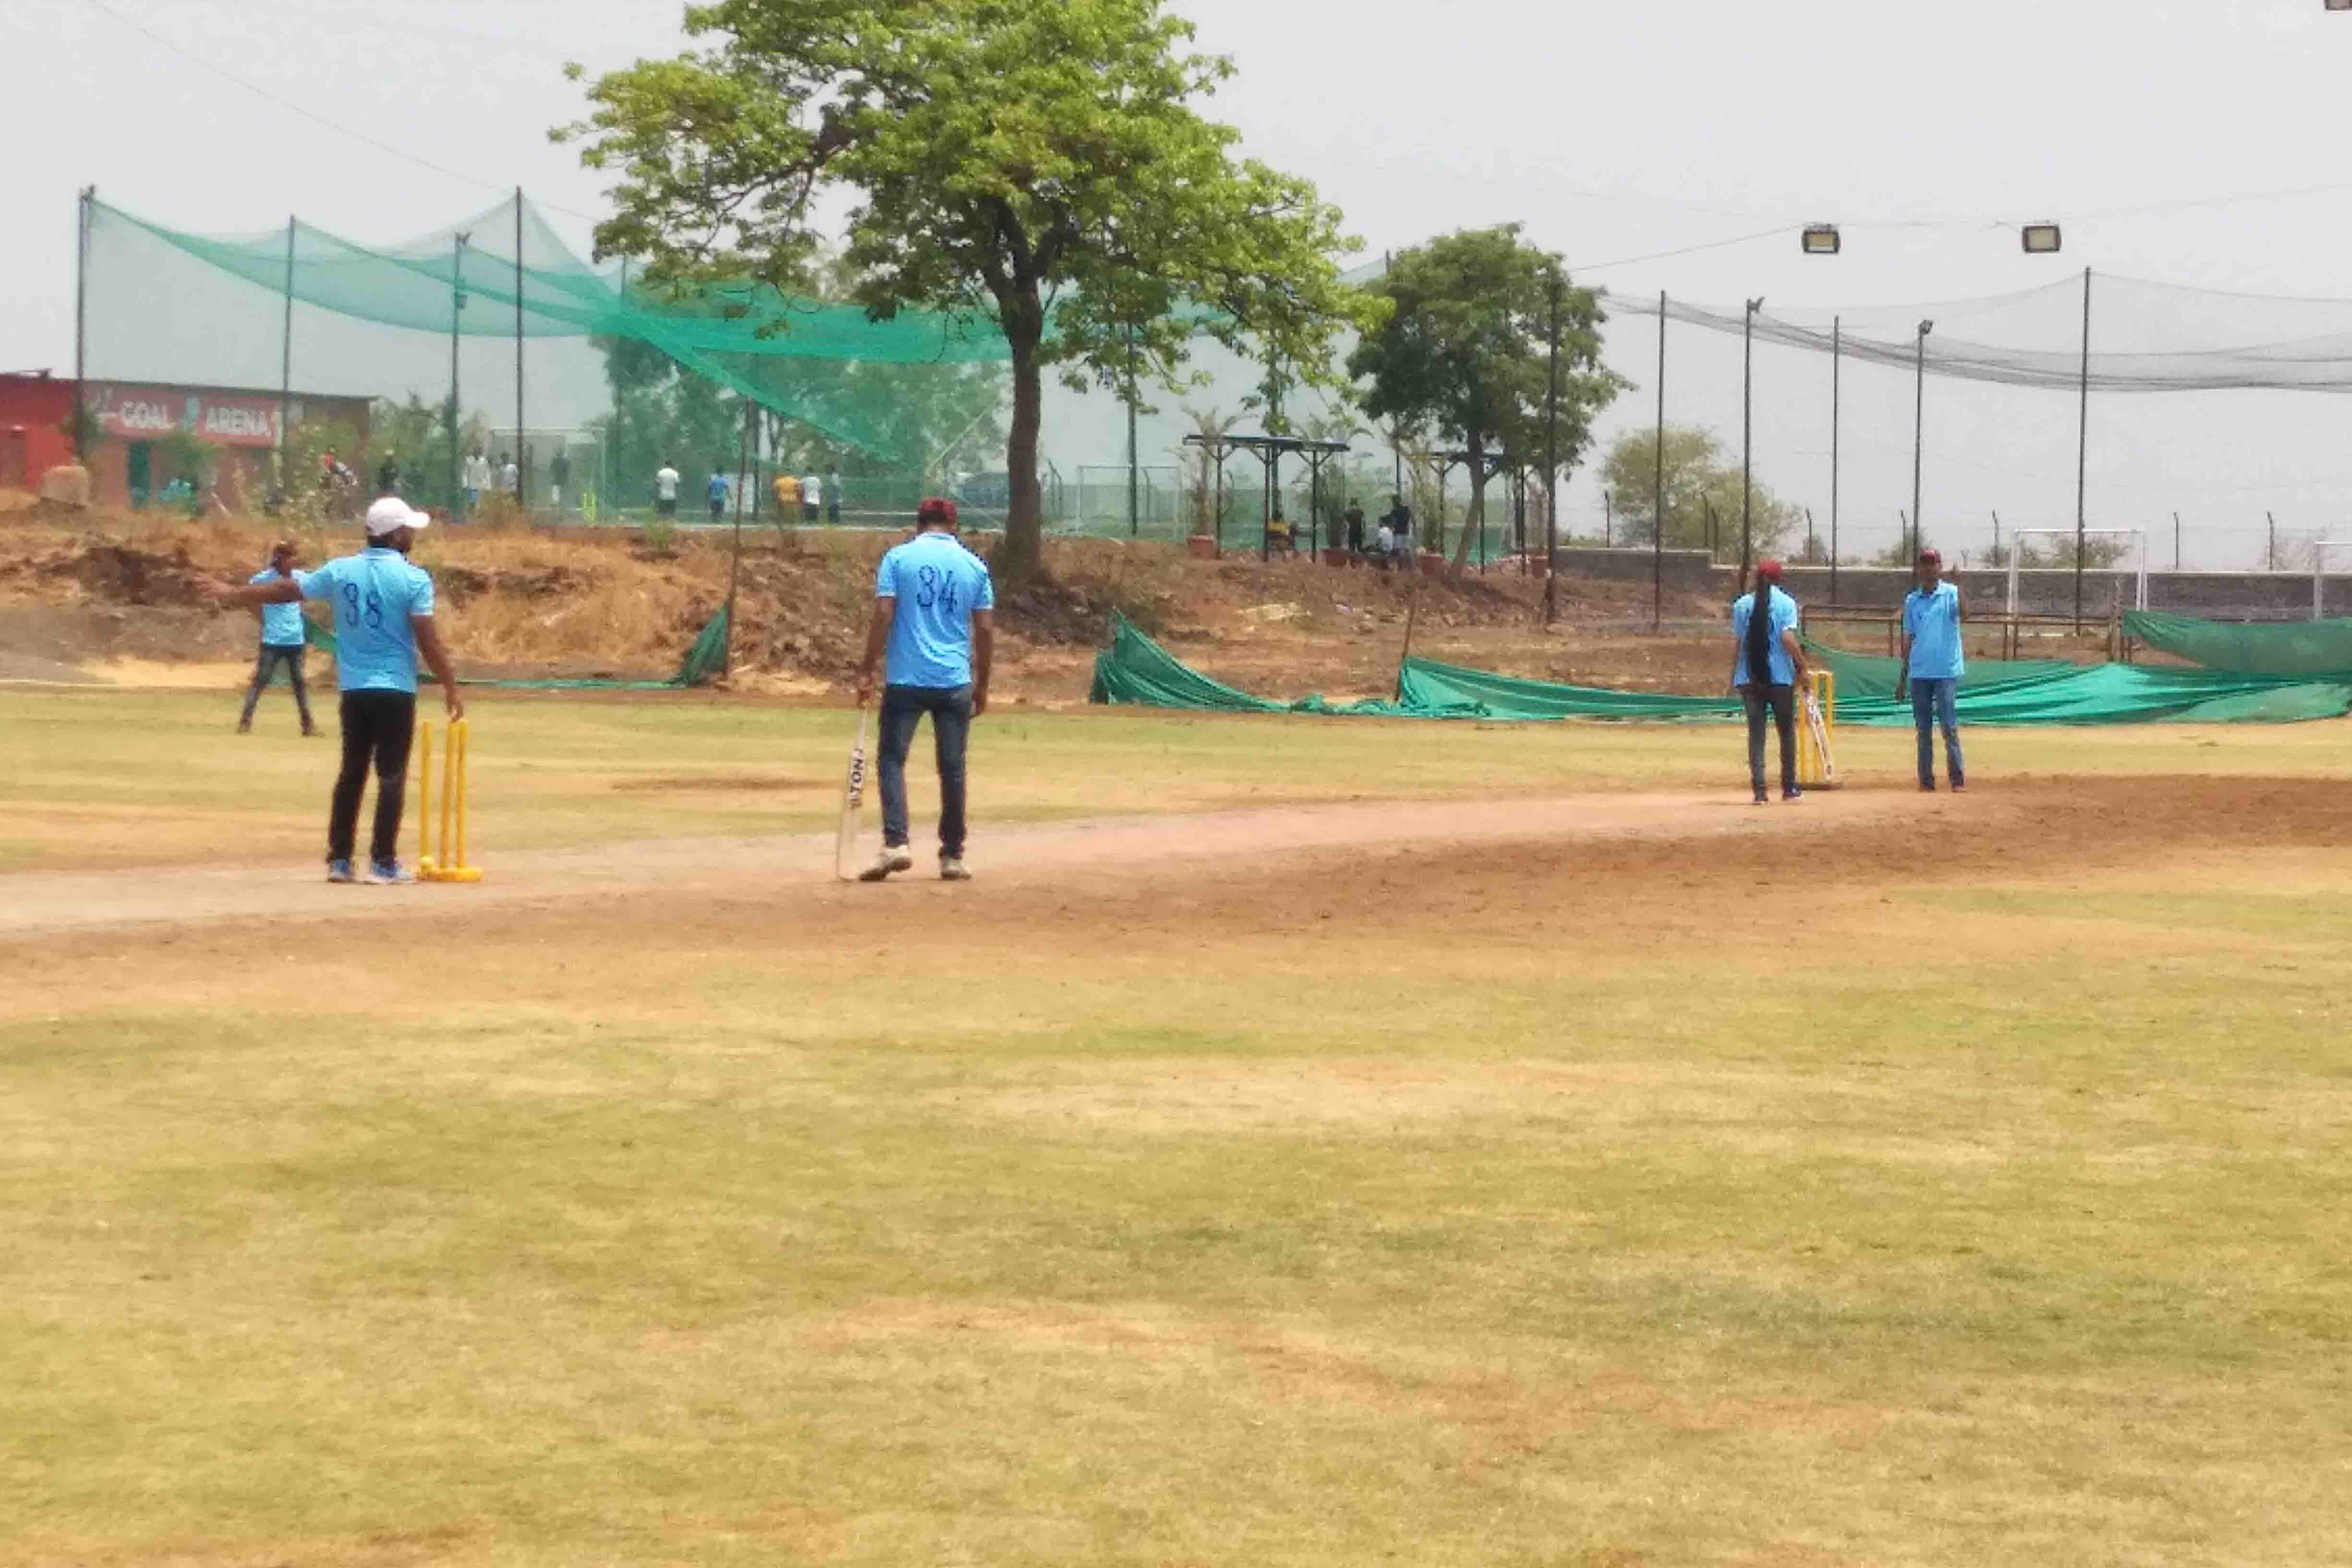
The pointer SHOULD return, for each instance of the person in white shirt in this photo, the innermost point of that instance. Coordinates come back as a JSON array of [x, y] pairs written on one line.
[[666, 489], [478, 480], [812, 497], [510, 476]]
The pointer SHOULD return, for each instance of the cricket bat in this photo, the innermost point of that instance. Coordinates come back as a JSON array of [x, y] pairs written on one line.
[[853, 796], [1820, 732]]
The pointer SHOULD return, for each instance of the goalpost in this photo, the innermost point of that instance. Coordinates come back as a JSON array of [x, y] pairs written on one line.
[[2319, 549], [2017, 553]]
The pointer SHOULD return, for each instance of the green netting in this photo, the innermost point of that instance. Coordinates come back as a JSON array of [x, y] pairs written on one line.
[[1135, 670], [704, 660], [513, 276], [2302, 648]]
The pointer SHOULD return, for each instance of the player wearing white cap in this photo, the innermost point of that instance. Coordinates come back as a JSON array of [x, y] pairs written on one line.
[[382, 608]]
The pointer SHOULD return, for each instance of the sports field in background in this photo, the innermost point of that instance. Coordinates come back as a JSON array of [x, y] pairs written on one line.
[[1242, 1171]]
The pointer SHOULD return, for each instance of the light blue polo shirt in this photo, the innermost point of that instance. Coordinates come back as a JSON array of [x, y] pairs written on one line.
[[372, 594], [1932, 622], [281, 625], [937, 584], [1783, 611]]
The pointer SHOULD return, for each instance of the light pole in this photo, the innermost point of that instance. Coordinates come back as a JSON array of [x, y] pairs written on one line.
[[1551, 462], [1919, 439], [1746, 432]]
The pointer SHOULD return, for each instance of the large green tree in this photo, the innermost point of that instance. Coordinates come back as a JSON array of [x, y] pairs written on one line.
[[1039, 162], [1699, 478], [1465, 352]]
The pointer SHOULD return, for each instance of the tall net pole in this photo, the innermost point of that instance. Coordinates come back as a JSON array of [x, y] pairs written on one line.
[[520, 480], [735, 559], [1658, 487], [82, 205], [1134, 474], [456, 304], [617, 464], [2083, 451], [1551, 464], [286, 357], [1746, 436], [1837, 364], [1918, 445]]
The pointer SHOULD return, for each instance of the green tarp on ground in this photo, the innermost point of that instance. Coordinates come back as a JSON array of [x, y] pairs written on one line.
[[1136, 670], [2304, 650]]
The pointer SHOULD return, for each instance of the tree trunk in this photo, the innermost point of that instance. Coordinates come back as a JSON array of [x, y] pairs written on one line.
[[1475, 521], [1023, 555]]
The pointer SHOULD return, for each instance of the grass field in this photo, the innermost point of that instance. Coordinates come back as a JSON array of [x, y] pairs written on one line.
[[1964, 1187]]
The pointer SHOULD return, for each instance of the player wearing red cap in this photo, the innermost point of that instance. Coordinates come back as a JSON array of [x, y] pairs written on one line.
[[1933, 665], [934, 610], [1768, 665]]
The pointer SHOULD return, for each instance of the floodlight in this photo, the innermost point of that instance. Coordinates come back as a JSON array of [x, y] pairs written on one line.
[[2042, 238], [1821, 238]]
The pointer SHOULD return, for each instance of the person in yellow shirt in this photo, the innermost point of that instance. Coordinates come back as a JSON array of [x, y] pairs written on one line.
[[788, 498]]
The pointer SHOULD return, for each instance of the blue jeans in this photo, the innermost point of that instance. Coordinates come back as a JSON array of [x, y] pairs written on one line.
[[903, 708], [272, 656], [1778, 703], [1931, 704]]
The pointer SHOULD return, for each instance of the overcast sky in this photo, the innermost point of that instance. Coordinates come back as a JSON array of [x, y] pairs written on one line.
[[2190, 140]]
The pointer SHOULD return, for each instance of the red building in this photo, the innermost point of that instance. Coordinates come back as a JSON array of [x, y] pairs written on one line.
[[144, 436], [35, 421]]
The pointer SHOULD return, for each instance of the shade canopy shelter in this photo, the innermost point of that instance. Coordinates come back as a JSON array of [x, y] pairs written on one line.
[[1270, 450]]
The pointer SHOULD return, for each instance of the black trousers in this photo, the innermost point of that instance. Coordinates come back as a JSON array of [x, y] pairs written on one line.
[[272, 656], [1782, 702], [377, 729]]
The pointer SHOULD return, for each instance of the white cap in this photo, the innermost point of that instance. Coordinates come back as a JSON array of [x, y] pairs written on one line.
[[391, 513]]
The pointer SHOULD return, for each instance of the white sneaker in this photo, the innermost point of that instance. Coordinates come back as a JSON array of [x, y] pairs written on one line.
[[893, 857], [951, 870]]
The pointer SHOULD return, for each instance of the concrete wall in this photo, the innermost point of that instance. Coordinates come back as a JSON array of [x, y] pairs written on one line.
[[2225, 596], [2221, 596], [1687, 571]]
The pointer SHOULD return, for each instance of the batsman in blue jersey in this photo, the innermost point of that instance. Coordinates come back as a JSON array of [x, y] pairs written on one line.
[[383, 609], [934, 612]]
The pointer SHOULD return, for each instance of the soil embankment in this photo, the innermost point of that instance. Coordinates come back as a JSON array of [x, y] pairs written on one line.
[[111, 595]]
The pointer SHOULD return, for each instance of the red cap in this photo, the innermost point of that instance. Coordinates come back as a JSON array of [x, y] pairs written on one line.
[[936, 509], [1767, 571], [1931, 554]]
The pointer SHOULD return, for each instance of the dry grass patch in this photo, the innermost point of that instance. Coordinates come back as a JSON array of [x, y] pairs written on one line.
[[1903, 1195]]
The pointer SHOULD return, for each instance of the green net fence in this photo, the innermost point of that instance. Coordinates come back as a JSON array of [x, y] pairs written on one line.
[[492, 335], [1135, 670]]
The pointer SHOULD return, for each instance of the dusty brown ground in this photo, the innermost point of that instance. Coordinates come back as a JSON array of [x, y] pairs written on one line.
[[1661, 860]]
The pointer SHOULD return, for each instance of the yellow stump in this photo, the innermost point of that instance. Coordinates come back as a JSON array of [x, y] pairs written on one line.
[[442, 857], [1816, 760]]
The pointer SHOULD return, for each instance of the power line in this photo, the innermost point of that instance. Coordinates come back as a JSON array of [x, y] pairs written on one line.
[[1689, 249], [173, 46]]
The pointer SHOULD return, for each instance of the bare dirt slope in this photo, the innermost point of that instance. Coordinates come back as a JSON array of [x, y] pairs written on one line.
[[116, 593]]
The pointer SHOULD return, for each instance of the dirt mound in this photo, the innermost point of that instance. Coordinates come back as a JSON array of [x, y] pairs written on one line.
[[600, 603]]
